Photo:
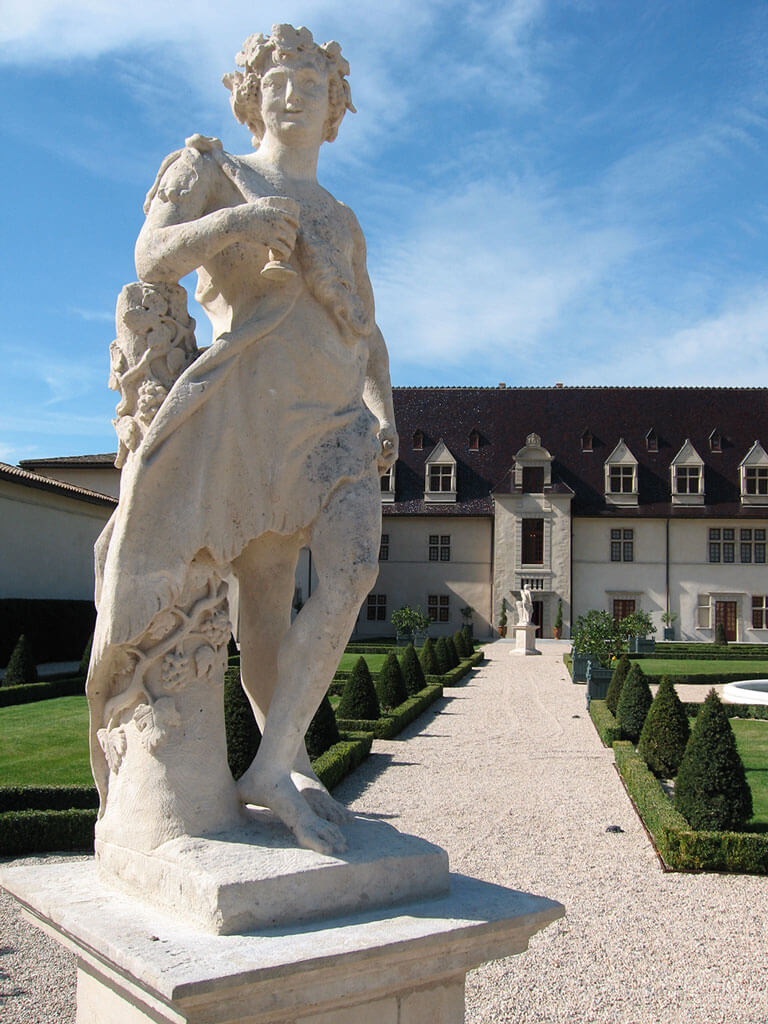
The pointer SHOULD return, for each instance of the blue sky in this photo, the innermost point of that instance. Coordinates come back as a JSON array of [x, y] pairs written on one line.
[[551, 190]]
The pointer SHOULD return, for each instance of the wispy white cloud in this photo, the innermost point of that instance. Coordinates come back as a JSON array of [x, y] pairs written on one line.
[[91, 315]]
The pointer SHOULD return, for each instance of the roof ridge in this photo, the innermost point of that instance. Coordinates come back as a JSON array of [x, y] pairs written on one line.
[[46, 483]]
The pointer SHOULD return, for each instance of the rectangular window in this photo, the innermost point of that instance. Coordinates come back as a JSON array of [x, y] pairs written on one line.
[[441, 478], [714, 545], [621, 479], [384, 548], [688, 479], [760, 546], [533, 542], [622, 545], [439, 607], [386, 480], [756, 480], [729, 546], [745, 537], [760, 611], [439, 547], [377, 608], [704, 612], [533, 479]]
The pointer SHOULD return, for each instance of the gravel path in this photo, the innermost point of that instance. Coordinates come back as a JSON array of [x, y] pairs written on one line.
[[509, 776]]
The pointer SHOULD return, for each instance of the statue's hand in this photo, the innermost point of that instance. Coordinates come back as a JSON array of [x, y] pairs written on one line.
[[272, 222], [389, 441]]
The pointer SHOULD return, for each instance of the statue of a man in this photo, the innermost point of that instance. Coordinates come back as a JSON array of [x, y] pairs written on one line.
[[271, 439]]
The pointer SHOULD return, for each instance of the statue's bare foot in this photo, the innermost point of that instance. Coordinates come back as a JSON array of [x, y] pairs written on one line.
[[320, 800], [276, 791]]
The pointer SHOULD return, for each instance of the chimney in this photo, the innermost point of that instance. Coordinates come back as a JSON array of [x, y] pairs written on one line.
[[502, 384], [559, 384]]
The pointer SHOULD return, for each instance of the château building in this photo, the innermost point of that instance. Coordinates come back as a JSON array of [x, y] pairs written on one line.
[[623, 499]]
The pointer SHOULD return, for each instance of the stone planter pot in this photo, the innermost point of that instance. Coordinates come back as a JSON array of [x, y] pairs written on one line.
[[669, 632], [598, 681], [579, 667], [641, 645], [420, 638], [403, 639]]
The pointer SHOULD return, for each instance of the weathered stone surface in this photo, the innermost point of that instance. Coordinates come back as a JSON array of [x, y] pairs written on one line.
[[255, 877]]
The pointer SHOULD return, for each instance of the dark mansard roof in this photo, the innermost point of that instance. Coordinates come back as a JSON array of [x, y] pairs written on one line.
[[561, 416]]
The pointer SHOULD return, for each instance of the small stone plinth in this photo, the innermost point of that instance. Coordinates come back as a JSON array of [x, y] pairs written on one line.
[[525, 639], [403, 966], [256, 877]]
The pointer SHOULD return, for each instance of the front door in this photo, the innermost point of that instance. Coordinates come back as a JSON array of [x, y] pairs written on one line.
[[725, 612], [537, 617]]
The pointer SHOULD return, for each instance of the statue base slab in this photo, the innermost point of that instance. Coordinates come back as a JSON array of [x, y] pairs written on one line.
[[525, 639], [407, 966], [256, 877]]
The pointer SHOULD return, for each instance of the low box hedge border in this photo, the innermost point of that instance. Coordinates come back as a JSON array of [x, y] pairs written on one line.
[[608, 729], [702, 678], [680, 847], [41, 819], [390, 725], [29, 693]]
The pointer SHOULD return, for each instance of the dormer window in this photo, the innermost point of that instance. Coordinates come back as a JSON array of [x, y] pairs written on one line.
[[687, 476], [440, 475], [387, 482], [532, 471], [754, 476], [474, 441], [652, 441], [418, 441], [715, 441], [621, 476], [586, 441]]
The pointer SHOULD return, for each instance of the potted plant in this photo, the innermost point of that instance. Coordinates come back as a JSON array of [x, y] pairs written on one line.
[[411, 626], [466, 614], [668, 618], [635, 629], [596, 640], [503, 618], [557, 629]]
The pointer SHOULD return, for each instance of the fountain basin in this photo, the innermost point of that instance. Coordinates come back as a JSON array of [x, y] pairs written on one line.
[[746, 691]]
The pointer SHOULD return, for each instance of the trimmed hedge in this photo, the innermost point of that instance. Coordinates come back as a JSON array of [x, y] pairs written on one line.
[[665, 732], [56, 630], [395, 721], [28, 693], [759, 711], [704, 678], [680, 847], [608, 729], [634, 702], [47, 798], [22, 665], [342, 758], [38, 831], [457, 675], [358, 699]]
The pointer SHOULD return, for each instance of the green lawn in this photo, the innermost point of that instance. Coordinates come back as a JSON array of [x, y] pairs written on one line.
[[684, 667], [45, 744], [374, 661], [752, 743]]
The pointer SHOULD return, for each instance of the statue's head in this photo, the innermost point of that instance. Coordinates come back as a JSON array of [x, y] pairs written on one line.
[[291, 48]]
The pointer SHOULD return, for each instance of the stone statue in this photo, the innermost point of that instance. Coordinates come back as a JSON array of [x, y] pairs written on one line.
[[234, 458], [525, 607]]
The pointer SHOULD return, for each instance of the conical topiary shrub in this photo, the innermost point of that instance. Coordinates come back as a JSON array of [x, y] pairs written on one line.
[[616, 683], [428, 659], [390, 686], [243, 736], [21, 666], [665, 732], [460, 643], [358, 699], [413, 676], [442, 657], [720, 637], [323, 731], [634, 702], [470, 643], [453, 654], [711, 789]]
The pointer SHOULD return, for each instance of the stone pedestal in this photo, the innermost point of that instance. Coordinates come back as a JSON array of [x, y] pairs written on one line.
[[525, 639], [404, 965]]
